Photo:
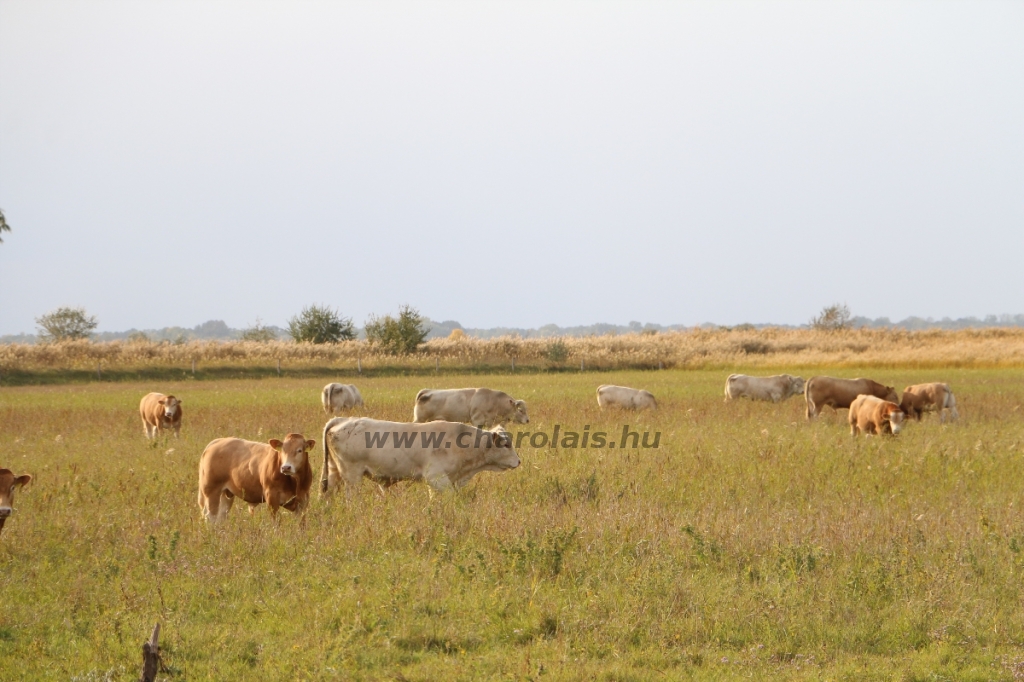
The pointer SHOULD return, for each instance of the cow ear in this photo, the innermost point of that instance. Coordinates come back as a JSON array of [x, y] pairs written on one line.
[[275, 443], [162, 401], [23, 480], [310, 444]]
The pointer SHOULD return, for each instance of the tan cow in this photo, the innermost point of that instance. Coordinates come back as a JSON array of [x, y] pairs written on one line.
[[160, 412], [8, 482], [480, 407], [874, 416], [338, 397], [444, 454], [921, 398], [625, 397], [774, 388], [837, 393], [278, 473]]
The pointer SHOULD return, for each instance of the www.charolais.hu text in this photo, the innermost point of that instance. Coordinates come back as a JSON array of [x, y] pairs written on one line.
[[559, 438]]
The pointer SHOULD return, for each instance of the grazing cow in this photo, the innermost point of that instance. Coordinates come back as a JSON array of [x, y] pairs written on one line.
[[8, 482], [837, 393], [922, 398], [160, 412], [775, 388], [278, 473], [337, 397], [625, 397], [481, 407], [444, 454], [874, 416]]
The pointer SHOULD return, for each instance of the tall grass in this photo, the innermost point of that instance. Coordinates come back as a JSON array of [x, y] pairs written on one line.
[[698, 349], [749, 544]]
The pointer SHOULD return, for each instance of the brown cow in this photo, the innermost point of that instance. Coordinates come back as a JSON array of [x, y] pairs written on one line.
[[8, 482], [160, 412], [921, 398], [875, 416], [277, 473], [837, 393]]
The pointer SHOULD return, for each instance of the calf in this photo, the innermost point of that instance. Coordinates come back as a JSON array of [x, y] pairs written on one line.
[[625, 397], [873, 416], [444, 454], [837, 393], [337, 397], [921, 398], [774, 388], [160, 412], [8, 482], [480, 407], [278, 473]]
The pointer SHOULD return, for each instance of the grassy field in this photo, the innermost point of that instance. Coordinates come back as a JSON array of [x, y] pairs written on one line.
[[748, 544]]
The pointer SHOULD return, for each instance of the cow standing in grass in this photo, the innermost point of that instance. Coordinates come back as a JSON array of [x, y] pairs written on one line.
[[278, 473], [160, 412], [775, 388], [625, 398], [444, 454], [8, 483], [338, 397], [874, 416], [481, 407], [921, 398], [840, 393]]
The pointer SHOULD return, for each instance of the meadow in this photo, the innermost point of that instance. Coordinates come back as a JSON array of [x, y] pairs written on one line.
[[749, 544]]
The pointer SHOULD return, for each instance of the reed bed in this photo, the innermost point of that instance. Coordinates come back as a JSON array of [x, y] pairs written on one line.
[[696, 349]]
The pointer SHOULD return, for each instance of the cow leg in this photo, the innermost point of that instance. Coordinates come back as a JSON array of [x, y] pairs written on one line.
[[210, 504], [149, 429], [811, 411], [353, 478]]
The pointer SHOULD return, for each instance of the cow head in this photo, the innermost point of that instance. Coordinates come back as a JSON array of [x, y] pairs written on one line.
[[519, 415], [8, 482], [654, 401], [500, 451], [294, 453], [796, 385], [895, 416], [170, 405], [890, 395]]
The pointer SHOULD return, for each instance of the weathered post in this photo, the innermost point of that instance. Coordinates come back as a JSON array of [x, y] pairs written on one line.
[[279, 367], [359, 364], [513, 363], [151, 656], [437, 364], [581, 364], [193, 366], [99, 377]]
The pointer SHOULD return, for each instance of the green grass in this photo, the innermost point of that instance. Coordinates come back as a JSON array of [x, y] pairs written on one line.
[[749, 544]]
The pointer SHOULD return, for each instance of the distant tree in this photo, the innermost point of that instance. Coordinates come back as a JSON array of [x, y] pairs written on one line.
[[397, 336], [320, 324], [65, 324], [259, 333], [138, 337], [4, 227], [832, 318], [457, 334]]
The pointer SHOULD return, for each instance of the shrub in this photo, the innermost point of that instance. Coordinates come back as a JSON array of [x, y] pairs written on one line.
[[557, 351], [833, 318], [259, 333], [320, 324], [66, 324], [457, 334], [397, 336]]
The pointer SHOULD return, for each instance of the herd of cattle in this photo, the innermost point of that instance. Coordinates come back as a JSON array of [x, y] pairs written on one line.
[[458, 433]]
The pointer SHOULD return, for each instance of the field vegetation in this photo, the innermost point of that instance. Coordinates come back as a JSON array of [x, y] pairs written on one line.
[[748, 544], [759, 349]]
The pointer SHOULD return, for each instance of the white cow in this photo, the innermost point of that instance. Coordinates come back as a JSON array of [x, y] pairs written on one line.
[[444, 454], [625, 397], [477, 406], [775, 388], [337, 397]]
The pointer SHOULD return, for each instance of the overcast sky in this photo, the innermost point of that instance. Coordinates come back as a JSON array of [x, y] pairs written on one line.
[[513, 164]]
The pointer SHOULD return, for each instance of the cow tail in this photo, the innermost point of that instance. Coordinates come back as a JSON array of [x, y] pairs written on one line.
[[327, 454]]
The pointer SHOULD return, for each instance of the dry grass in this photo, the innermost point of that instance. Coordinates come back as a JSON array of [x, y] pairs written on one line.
[[750, 544], [699, 349]]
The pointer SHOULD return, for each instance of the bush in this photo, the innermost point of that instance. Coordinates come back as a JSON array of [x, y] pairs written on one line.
[[66, 324], [834, 318], [557, 351], [259, 333], [320, 324], [397, 336]]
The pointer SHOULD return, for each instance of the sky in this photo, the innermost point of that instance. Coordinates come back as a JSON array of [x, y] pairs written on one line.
[[510, 163]]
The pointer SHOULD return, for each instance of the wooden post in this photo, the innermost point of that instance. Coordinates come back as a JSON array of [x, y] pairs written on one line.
[[513, 364], [151, 656], [437, 364], [581, 364], [279, 367], [660, 366], [193, 366], [99, 377], [359, 365]]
